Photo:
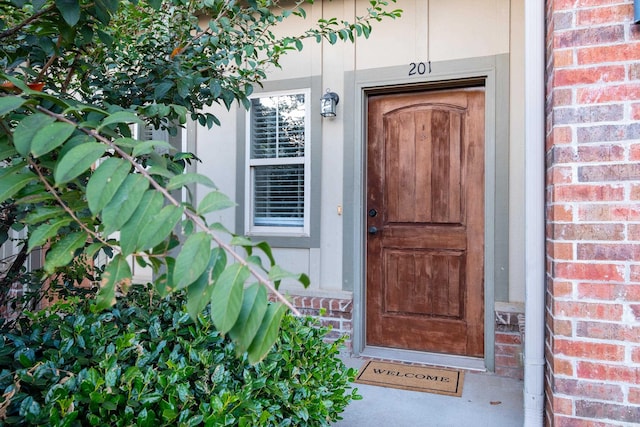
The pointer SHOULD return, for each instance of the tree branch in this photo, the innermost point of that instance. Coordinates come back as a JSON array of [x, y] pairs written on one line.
[[192, 216], [34, 17], [49, 62], [68, 210]]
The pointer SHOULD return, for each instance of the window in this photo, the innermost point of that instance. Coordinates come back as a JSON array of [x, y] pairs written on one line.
[[148, 132], [278, 165]]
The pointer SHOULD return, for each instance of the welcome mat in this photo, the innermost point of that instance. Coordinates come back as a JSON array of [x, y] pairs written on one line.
[[408, 377]]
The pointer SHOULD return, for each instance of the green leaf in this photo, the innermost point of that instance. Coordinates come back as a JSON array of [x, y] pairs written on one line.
[[126, 142], [108, 5], [10, 103], [146, 147], [254, 306], [36, 196], [199, 292], [13, 169], [124, 202], [25, 360], [192, 259], [44, 232], [6, 149], [159, 227], [101, 13], [116, 275], [226, 298], [105, 181], [93, 249], [267, 251], [214, 201], [150, 204], [30, 408], [276, 274], [63, 251], [227, 97], [216, 226], [247, 244], [241, 241], [105, 38], [12, 183], [162, 88], [181, 180], [121, 117], [304, 279], [50, 137], [215, 87], [43, 213], [70, 11], [255, 260], [74, 142], [77, 160], [160, 171], [161, 283], [267, 334], [27, 129], [366, 30], [183, 87], [43, 96]]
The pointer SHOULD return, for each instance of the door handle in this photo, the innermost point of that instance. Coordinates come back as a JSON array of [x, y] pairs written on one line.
[[373, 230]]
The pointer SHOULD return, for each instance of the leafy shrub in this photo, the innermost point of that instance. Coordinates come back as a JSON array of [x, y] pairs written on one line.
[[145, 362]]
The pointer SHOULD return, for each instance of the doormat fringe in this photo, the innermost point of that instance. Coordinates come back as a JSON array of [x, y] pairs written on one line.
[[409, 377]]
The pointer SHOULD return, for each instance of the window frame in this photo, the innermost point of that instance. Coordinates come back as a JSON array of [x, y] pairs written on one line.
[[250, 165]]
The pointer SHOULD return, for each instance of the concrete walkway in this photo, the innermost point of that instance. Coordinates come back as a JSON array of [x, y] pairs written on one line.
[[487, 401]]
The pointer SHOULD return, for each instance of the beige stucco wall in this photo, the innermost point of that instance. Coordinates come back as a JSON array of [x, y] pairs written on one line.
[[455, 29]]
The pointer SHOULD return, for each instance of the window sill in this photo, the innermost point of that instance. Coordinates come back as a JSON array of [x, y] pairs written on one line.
[[279, 240]]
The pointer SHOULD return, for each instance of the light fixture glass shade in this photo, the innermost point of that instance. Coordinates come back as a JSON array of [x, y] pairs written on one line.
[[328, 104]]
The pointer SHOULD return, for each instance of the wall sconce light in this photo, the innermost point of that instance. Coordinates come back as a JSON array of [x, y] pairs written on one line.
[[328, 104]]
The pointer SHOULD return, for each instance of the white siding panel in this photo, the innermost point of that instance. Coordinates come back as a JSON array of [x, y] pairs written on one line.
[[294, 261], [216, 147], [457, 29]]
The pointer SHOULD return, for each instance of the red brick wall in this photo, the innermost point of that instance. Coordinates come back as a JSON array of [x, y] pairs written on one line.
[[593, 214], [334, 312], [338, 312], [508, 344]]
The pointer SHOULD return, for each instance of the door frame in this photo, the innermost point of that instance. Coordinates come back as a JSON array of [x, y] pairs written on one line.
[[492, 72]]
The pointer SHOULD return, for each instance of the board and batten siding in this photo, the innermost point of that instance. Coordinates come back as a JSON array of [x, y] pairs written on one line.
[[428, 31]]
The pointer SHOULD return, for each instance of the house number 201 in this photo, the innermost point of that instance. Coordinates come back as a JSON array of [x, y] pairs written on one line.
[[419, 68]]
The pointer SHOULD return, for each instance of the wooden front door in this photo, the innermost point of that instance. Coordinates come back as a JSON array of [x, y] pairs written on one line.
[[425, 221]]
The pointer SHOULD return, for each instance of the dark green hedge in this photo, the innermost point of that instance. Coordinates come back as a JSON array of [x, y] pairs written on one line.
[[146, 363]]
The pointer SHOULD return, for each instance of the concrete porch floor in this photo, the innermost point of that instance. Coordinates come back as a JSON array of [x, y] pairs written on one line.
[[487, 401]]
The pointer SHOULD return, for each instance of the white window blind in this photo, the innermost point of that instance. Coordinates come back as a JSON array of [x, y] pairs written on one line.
[[278, 164]]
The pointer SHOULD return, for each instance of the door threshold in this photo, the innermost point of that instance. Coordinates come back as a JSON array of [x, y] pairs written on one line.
[[412, 356]]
